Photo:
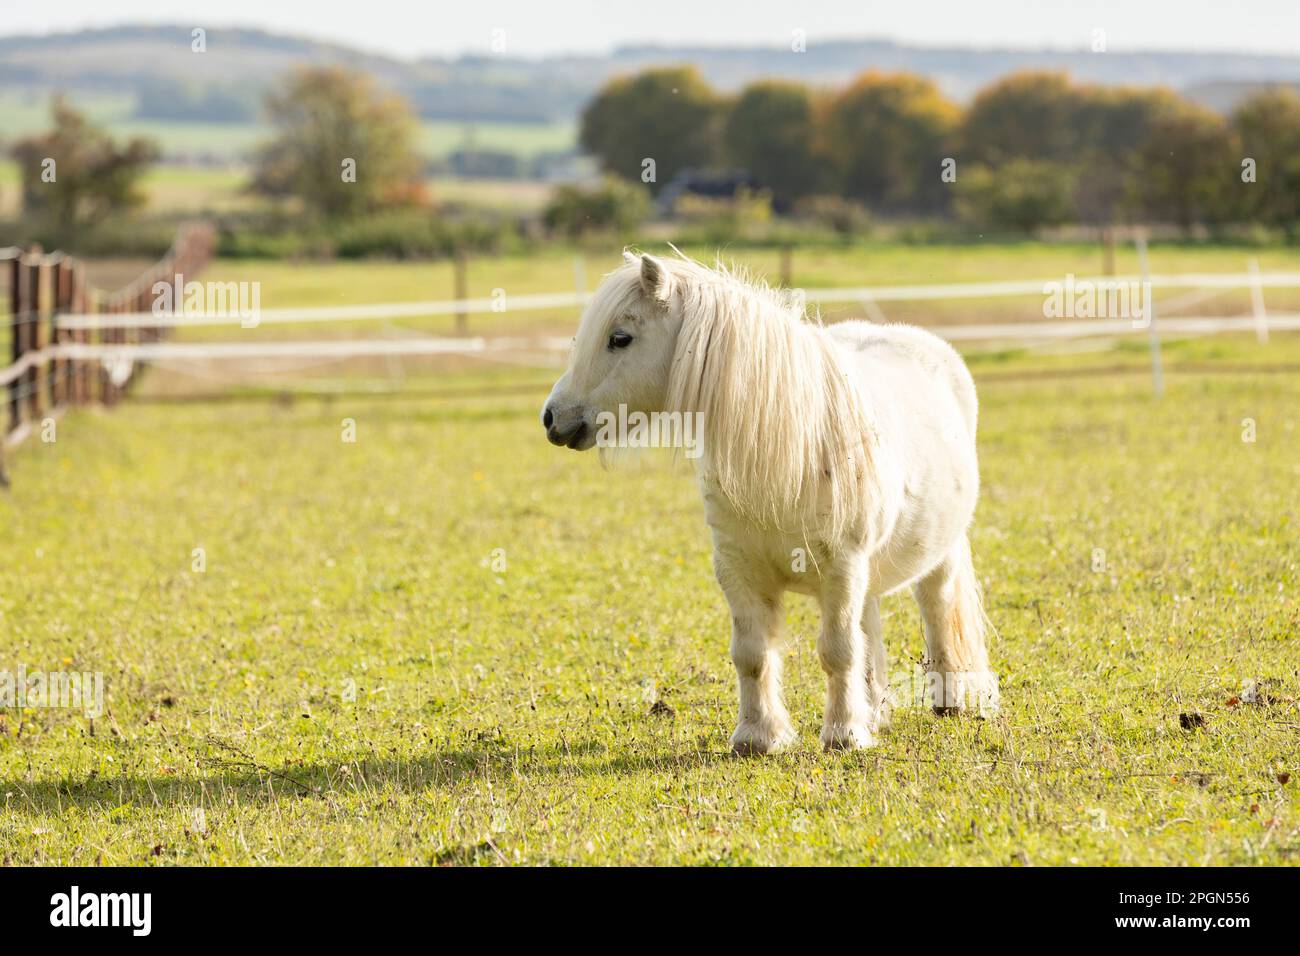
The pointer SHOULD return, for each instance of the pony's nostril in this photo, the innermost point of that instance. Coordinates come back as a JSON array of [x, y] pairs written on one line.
[[547, 418], [578, 435]]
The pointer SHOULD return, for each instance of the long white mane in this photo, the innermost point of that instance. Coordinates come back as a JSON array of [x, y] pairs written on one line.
[[787, 437]]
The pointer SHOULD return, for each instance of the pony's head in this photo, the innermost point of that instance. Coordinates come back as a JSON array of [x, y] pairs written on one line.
[[785, 435], [622, 355]]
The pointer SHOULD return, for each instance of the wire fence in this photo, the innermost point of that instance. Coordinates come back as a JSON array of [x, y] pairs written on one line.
[[45, 375]]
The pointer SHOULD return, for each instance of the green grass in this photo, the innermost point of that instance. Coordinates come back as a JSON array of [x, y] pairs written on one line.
[[352, 681]]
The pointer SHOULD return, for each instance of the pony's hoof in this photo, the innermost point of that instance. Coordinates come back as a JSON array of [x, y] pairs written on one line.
[[847, 737], [974, 695], [754, 740]]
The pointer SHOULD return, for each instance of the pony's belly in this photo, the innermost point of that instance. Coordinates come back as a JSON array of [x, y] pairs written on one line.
[[924, 534], [890, 568], [931, 504]]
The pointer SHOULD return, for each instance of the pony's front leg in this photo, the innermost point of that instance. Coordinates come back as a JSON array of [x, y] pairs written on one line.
[[850, 715], [764, 725]]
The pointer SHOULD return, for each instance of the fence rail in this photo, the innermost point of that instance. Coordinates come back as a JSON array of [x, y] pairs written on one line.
[[384, 311], [433, 345]]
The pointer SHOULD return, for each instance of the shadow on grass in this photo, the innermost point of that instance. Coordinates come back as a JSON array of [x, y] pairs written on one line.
[[239, 781]]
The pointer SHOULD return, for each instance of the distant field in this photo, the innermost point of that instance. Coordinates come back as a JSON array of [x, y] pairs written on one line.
[[516, 196], [169, 189], [22, 114], [173, 189]]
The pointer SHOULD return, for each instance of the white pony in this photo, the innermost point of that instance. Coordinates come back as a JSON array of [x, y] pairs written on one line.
[[836, 461]]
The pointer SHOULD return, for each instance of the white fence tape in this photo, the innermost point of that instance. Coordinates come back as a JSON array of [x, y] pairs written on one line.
[[358, 348], [559, 300], [329, 348]]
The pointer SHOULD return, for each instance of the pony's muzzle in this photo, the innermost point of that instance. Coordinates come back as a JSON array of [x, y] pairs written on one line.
[[567, 435], [572, 438]]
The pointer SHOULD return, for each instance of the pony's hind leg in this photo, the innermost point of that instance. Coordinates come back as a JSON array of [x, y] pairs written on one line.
[[841, 646], [764, 725], [956, 659], [877, 665]]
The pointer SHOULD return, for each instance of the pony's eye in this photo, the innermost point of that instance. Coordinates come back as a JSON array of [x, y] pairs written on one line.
[[619, 340]]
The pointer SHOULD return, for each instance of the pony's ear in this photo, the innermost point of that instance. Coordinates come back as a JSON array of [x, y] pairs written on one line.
[[656, 283], [631, 258]]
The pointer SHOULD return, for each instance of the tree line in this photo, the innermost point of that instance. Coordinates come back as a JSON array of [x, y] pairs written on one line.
[[1033, 149]]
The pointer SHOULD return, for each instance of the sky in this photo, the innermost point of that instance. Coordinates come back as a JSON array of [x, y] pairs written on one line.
[[411, 28]]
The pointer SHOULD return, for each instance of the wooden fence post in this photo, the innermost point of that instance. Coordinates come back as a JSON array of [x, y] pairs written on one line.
[[60, 377], [135, 334], [80, 388], [106, 336], [37, 272], [94, 386], [119, 338], [787, 266], [462, 291], [17, 335]]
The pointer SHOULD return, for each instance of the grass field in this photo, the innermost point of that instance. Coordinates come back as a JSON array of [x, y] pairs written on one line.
[[552, 269], [355, 677], [23, 114], [201, 189]]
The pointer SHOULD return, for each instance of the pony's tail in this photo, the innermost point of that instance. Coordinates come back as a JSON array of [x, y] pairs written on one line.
[[969, 627]]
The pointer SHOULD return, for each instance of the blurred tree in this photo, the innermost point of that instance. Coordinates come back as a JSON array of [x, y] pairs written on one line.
[[1113, 125], [887, 135], [1117, 119], [771, 131], [1020, 194], [669, 116], [76, 174], [1269, 127], [1027, 115], [1185, 170], [343, 146]]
